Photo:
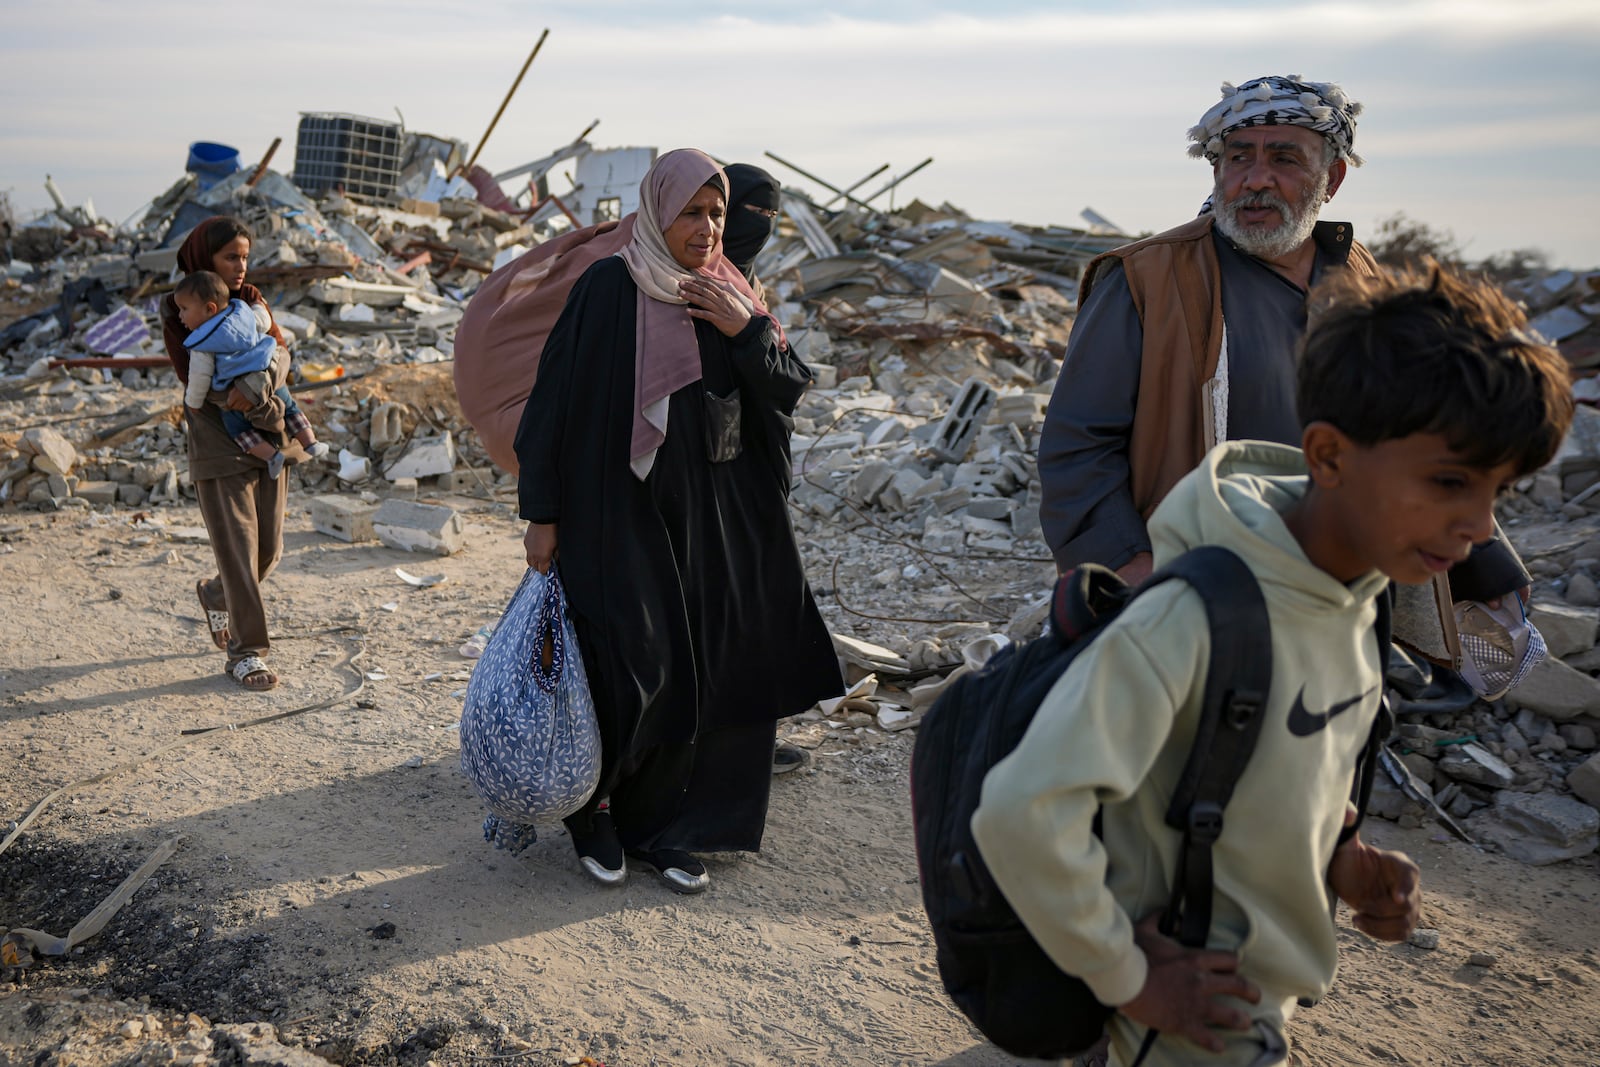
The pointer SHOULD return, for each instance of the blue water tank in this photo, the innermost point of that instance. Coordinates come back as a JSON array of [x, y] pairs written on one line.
[[212, 162]]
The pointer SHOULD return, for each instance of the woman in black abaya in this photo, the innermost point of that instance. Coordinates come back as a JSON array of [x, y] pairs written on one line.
[[654, 454]]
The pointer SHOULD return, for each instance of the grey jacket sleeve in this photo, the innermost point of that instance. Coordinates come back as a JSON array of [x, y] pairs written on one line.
[[1087, 508]]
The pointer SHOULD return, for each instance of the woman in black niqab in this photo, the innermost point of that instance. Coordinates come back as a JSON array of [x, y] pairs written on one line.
[[752, 215]]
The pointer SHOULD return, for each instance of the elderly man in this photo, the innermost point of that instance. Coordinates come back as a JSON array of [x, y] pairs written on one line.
[[1187, 338]]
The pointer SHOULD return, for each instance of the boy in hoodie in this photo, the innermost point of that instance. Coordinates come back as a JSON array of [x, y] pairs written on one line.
[[1422, 397], [227, 347]]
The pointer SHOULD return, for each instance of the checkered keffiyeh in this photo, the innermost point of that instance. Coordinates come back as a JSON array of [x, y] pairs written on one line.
[[1278, 101], [1499, 645]]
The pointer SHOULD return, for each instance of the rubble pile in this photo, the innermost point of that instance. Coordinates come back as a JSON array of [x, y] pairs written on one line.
[[936, 340], [366, 286], [1564, 306]]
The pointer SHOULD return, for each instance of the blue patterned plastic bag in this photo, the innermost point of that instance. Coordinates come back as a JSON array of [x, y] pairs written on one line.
[[530, 744]]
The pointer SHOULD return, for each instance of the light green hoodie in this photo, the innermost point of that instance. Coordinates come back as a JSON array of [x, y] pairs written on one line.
[[1118, 726]]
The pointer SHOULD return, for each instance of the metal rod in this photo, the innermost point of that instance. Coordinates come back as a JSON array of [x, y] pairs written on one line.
[[900, 179], [509, 94], [807, 174], [261, 168], [857, 185]]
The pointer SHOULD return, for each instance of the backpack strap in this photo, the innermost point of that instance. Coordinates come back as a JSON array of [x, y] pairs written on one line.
[[1238, 679], [1367, 769]]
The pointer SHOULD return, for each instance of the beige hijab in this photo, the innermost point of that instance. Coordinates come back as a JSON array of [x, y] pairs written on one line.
[[666, 354]]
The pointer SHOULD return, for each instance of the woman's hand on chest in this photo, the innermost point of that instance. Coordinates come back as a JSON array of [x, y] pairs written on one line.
[[717, 302]]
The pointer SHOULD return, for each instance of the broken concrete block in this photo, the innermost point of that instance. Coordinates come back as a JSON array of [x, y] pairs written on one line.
[[150, 475], [464, 481], [1388, 801], [817, 499], [962, 422], [415, 527], [972, 524], [1566, 628], [385, 427], [1023, 409], [870, 482], [347, 518], [886, 432], [100, 494], [298, 325], [165, 489], [902, 489], [947, 500], [1025, 522], [943, 535], [815, 349], [1584, 781], [1540, 828], [998, 508], [1557, 692], [986, 479], [1477, 766], [52, 453], [426, 457]]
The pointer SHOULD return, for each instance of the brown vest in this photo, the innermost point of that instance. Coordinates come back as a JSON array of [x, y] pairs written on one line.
[[1175, 281]]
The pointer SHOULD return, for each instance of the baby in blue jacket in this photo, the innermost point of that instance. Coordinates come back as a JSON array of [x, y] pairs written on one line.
[[229, 348]]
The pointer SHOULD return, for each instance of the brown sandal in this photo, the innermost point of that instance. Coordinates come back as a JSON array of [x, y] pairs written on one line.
[[216, 621]]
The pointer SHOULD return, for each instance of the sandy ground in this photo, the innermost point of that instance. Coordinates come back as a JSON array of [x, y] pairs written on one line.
[[332, 880]]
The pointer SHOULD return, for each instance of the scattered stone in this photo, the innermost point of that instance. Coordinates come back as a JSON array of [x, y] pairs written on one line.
[[1424, 938], [414, 527], [1584, 781], [1482, 959], [1539, 828], [1557, 691], [1567, 629], [1582, 591], [348, 519], [426, 457], [1477, 765], [1579, 737], [52, 453]]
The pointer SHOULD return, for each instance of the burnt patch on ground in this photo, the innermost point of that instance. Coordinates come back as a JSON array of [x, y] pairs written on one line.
[[177, 951], [159, 945]]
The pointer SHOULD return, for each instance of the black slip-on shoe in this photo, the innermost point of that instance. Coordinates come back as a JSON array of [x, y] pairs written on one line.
[[681, 872], [787, 757], [599, 851]]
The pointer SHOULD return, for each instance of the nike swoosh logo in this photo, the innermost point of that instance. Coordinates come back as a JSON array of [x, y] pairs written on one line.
[[1303, 723]]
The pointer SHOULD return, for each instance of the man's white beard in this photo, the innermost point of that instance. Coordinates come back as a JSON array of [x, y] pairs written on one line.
[[1283, 238]]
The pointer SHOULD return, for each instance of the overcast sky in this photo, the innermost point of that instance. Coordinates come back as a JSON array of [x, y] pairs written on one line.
[[1482, 116]]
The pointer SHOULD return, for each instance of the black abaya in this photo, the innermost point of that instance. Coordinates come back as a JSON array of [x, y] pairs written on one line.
[[697, 627]]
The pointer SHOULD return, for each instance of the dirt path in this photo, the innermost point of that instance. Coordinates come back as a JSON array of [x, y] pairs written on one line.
[[332, 878]]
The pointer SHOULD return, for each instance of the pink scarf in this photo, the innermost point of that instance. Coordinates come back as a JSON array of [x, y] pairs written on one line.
[[666, 354]]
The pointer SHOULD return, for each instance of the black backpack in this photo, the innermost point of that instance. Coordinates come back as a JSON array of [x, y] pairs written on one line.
[[991, 965]]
